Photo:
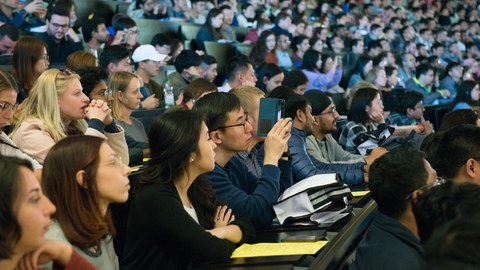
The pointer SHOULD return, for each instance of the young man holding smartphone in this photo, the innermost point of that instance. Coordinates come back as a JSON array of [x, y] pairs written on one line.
[[230, 128]]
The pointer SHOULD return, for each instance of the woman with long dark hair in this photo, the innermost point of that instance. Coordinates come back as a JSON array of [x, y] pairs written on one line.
[[211, 30], [468, 94], [175, 221], [264, 50]]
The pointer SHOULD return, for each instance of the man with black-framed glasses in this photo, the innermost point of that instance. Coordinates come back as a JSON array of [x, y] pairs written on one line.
[[230, 128], [61, 40], [392, 239]]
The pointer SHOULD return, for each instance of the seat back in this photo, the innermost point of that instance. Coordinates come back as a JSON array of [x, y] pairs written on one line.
[[149, 28]]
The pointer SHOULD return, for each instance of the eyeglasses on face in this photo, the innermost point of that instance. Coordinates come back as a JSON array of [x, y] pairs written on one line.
[[107, 92], [439, 181], [45, 57], [57, 26], [5, 106], [244, 123], [332, 110]]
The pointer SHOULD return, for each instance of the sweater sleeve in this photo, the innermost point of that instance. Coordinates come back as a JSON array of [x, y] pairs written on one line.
[[76, 262], [246, 194], [305, 166]]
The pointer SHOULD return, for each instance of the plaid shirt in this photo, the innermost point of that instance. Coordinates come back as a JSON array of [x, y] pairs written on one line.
[[352, 130]]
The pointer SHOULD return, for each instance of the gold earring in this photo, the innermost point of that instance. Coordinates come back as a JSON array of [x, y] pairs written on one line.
[[191, 160]]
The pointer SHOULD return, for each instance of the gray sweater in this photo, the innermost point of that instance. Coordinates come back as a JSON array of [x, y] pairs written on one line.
[[329, 151]]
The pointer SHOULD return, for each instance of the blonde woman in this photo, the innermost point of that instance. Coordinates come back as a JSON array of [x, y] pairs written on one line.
[[56, 108], [126, 98]]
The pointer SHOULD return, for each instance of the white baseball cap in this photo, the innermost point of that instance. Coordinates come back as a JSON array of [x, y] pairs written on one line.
[[147, 52]]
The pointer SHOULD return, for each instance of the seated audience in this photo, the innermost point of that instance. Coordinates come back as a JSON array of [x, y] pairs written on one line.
[[8, 106], [230, 129], [296, 80], [42, 125], [392, 241], [147, 65], [300, 45], [23, 224], [30, 60], [92, 177], [126, 98], [208, 67], [264, 50], [457, 155], [126, 33], [148, 9], [187, 64], [212, 29], [61, 40], [450, 82], [9, 35], [423, 82], [270, 76], [455, 245], [81, 59], [30, 15], [283, 51], [362, 67], [95, 35], [365, 116], [320, 144], [175, 220], [458, 117], [115, 58], [410, 112], [301, 111], [195, 91], [444, 203], [316, 71], [239, 72], [468, 95]]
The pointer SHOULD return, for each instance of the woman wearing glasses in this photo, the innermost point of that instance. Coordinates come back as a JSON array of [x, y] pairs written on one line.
[[82, 176], [365, 116], [57, 108], [175, 221], [126, 98], [8, 99]]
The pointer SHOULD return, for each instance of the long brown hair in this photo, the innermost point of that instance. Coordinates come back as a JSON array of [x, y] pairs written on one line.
[[26, 54], [78, 207]]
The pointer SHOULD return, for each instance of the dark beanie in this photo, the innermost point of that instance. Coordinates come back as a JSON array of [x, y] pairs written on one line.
[[318, 100]]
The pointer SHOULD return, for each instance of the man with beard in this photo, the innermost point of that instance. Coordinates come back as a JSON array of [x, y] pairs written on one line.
[[304, 165], [320, 144], [59, 37], [95, 35]]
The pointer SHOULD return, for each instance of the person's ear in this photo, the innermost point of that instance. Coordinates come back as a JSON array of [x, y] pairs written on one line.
[[300, 115], [216, 137], [119, 95], [80, 177], [409, 111], [265, 80], [111, 67], [470, 169]]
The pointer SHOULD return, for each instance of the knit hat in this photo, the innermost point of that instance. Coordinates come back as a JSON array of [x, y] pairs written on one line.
[[318, 100]]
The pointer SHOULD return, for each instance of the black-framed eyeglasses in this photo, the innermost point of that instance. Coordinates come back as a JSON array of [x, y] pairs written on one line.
[[63, 26], [5, 106], [244, 123], [438, 182], [107, 92], [332, 110], [461, 163]]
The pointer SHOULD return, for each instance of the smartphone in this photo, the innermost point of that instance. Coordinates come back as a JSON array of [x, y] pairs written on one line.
[[271, 109]]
